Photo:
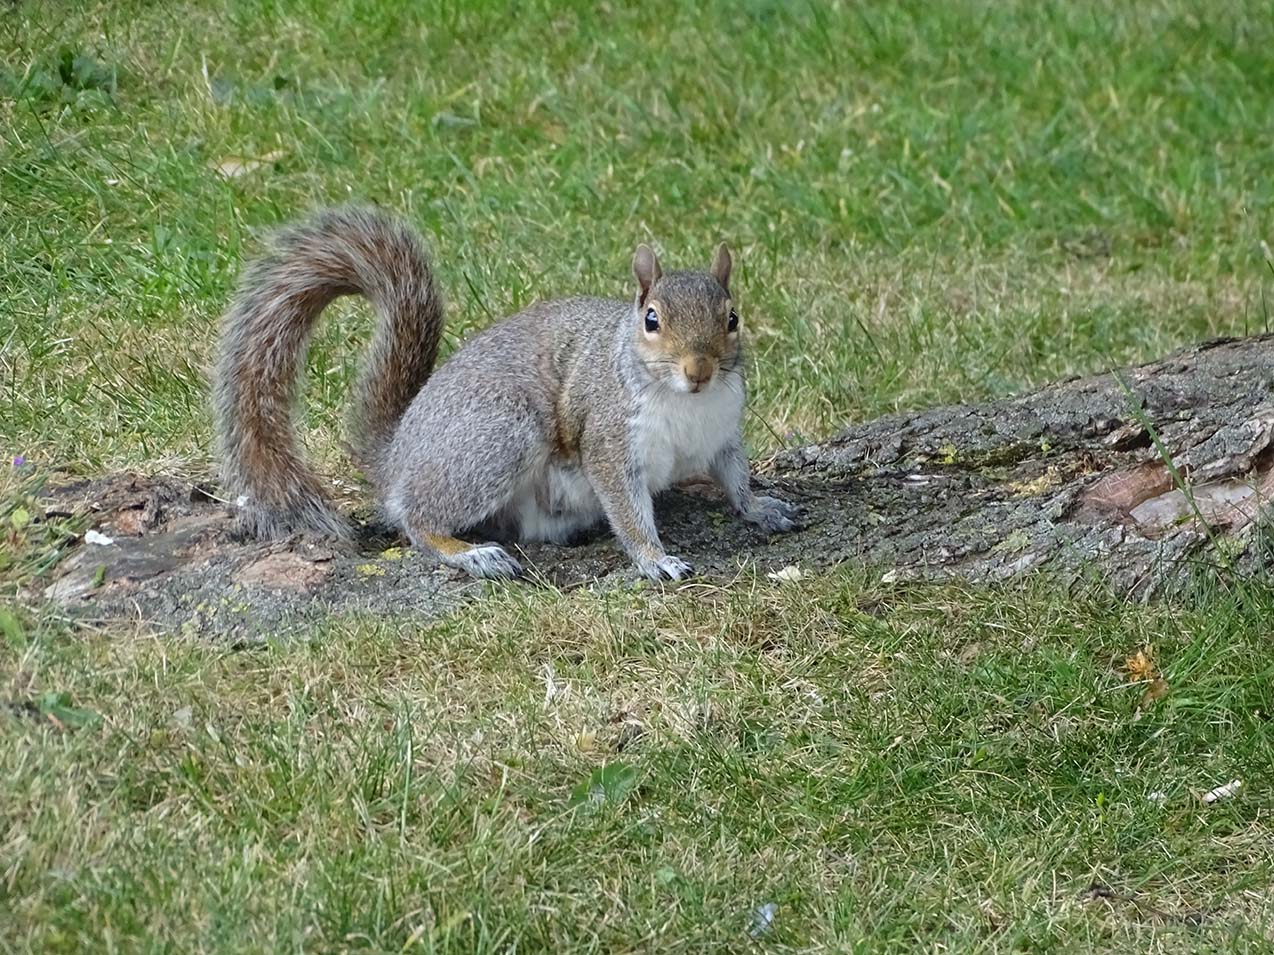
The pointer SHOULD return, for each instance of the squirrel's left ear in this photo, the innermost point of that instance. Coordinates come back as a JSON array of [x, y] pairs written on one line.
[[721, 266], [646, 269]]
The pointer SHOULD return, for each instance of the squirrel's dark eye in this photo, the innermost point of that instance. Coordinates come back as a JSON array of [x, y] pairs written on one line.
[[652, 321], [733, 324]]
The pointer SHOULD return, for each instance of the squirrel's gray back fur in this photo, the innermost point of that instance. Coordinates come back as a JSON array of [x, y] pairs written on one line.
[[342, 251], [530, 378]]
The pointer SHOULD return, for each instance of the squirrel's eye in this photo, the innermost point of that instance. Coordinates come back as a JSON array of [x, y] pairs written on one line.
[[733, 324], [652, 321]]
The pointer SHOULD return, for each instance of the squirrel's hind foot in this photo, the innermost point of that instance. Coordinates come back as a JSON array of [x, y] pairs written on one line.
[[486, 561]]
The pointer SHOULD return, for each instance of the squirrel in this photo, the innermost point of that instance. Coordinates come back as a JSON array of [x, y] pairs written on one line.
[[536, 428]]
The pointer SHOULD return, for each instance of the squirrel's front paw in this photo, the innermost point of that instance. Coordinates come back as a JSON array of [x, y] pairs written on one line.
[[665, 568], [772, 515]]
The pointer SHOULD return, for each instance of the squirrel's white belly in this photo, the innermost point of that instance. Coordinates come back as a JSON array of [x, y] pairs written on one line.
[[678, 434], [556, 503]]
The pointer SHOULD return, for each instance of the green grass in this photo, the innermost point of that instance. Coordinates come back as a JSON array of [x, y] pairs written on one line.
[[922, 198], [933, 769], [928, 203]]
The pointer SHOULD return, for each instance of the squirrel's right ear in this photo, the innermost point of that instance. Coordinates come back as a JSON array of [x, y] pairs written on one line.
[[646, 269]]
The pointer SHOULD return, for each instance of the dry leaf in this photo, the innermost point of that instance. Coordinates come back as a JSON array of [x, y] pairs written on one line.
[[1157, 690], [1140, 667]]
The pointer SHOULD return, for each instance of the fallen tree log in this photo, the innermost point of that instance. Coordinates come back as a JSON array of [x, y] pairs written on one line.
[[1144, 477]]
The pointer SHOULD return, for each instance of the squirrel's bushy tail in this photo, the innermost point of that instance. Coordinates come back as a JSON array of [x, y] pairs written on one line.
[[338, 252]]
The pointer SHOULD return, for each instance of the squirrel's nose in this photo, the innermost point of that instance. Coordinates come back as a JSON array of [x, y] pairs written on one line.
[[698, 370]]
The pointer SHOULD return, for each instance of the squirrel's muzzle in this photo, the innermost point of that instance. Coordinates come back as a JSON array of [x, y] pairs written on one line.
[[698, 370]]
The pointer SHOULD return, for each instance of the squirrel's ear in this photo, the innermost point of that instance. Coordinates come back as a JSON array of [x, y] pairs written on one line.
[[646, 269], [721, 266]]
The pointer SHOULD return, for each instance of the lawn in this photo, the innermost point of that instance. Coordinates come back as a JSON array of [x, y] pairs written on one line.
[[928, 203]]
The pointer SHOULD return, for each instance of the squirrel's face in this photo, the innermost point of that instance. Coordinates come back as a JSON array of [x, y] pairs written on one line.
[[685, 325]]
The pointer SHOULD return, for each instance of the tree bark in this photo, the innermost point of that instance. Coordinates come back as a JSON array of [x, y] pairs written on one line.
[[1143, 478]]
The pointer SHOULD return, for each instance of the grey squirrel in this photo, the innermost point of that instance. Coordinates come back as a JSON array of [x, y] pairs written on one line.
[[534, 429]]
